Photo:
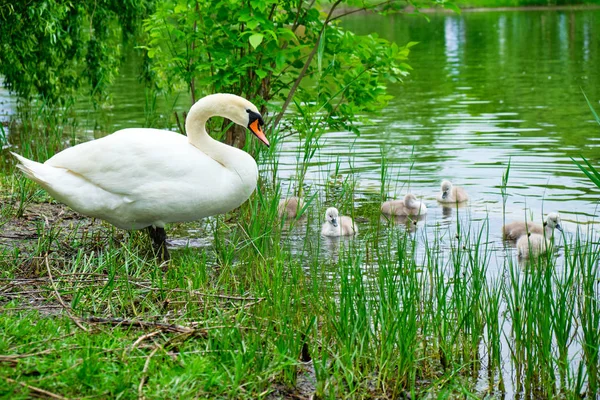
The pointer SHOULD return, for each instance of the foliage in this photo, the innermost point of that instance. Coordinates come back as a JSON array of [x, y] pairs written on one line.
[[274, 50], [52, 47]]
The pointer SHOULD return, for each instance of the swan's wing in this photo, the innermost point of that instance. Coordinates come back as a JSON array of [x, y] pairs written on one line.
[[124, 162]]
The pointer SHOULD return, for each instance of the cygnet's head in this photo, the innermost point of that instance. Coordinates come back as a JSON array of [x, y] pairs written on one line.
[[235, 108], [331, 216], [553, 221], [446, 188]]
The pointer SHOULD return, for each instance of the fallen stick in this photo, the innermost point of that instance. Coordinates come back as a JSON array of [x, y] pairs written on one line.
[[37, 389], [141, 324]]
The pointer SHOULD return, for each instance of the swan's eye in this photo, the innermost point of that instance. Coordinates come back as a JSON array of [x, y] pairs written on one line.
[[255, 116]]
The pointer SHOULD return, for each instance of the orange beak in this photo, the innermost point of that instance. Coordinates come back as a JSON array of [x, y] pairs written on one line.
[[258, 132]]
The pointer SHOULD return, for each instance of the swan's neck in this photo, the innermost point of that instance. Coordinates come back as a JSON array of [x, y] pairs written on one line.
[[548, 230], [195, 126], [233, 159]]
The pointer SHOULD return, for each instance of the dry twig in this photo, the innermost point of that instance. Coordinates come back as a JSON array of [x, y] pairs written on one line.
[[144, 337], [144, 373], [142, 324], [37, 389]]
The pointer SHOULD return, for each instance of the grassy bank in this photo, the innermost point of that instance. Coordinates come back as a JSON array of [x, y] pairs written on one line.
[[270, 309]]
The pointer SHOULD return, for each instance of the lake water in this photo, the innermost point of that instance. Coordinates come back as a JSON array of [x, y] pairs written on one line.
[[486, 88]]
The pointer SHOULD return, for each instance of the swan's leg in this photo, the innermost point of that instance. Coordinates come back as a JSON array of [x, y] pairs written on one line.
[[159, 239]]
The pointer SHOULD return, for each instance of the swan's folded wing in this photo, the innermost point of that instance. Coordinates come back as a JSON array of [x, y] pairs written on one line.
[[128, 160]]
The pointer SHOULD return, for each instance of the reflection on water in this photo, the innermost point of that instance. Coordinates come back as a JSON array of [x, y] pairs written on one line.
[[454, 38], [409, 223]]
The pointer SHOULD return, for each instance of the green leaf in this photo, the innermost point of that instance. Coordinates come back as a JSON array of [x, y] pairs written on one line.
[[252, 24], [280, 60], [452, 6], [261, 73], [256, 39]]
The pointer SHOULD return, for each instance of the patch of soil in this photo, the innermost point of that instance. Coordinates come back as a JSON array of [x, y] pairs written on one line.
[[306, 384], [50, 228], [45, 231]]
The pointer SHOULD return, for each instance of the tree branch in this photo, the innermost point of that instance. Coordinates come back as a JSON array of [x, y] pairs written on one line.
[[362, 9], [305, 67]]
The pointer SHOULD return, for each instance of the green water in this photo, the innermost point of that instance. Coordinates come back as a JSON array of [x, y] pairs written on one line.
[[491, 86]]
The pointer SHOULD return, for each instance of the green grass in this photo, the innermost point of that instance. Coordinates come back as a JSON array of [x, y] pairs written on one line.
[[379, 316]]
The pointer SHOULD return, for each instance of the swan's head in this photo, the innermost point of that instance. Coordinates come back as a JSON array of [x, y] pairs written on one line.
[[331, 216], [252, 119], [553, 221], [255, 124], [233, 107], [446, 188]]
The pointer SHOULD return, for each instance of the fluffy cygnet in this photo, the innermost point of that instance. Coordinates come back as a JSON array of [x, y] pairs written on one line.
[[532, 245], [452, 194], [290, 207], [408, 206], [517, 229], [336, 225]]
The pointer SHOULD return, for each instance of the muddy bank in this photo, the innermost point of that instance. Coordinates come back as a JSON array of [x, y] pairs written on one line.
[[49, 228]]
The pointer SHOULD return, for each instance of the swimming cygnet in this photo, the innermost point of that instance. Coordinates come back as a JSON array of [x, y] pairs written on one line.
[[532, 245], [336, 225], [452, 194], [517, 229], [408, 206], [290, 207]]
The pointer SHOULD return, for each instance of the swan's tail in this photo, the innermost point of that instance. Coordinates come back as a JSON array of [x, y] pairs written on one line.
[[31, 169]]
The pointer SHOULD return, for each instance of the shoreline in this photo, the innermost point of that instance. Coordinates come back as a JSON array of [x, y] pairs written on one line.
[[578, 7]]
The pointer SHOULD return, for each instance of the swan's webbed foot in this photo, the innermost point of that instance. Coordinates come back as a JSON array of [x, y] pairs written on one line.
[[159, 241]]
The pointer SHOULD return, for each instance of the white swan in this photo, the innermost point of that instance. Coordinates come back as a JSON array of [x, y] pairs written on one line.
[[516, 229], [336, 225], [137, 178], [408, 206], [452, 194]]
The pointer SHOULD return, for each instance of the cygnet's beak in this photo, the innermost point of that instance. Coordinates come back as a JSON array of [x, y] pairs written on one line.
[[258, 132], [560, 228], [444, 195], [334, 222]]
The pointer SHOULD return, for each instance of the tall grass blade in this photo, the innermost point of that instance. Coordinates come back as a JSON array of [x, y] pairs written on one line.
[[592, 174], [596, 117]]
